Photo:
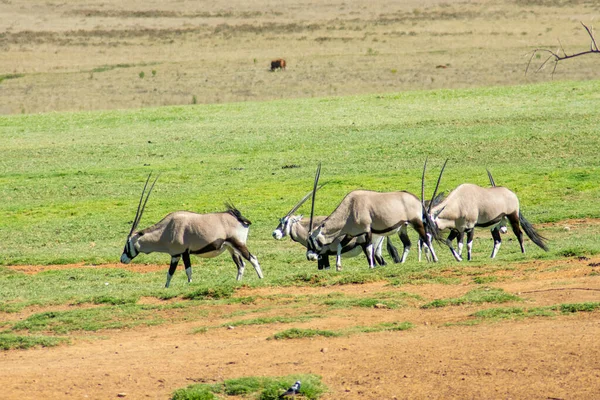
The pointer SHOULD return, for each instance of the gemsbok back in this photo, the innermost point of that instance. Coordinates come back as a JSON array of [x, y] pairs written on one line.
[[296, 227], [470, 206], [182, 233], [367, 213]]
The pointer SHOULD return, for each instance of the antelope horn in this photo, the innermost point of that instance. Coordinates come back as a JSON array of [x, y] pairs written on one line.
[[140, 209], [297, 206], [312, 207], [437, 186], [423, 183], [491, 178]]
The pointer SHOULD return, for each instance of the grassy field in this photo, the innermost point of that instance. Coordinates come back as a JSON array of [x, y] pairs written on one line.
[[71, 181]]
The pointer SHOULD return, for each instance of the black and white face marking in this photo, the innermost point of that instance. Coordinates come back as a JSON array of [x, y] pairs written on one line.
[[283, 229], [129, 252]]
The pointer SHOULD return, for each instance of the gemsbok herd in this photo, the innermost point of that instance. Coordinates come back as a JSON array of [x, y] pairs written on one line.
[[360, 223]]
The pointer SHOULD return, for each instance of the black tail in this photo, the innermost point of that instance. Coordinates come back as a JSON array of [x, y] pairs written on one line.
[[532, 233], [237, 214], [392, 251]]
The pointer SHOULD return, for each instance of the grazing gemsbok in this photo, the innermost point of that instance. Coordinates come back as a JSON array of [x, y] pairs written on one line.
[[367, 213], [182, 233], [469, 206], [296, 228], [500, 227]]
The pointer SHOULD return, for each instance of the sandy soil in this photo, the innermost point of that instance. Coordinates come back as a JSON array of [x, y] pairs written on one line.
[[543, 358], [108, 54]]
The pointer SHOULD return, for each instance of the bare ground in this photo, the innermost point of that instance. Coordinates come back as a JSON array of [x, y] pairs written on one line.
[[109, 54], [441, 357]]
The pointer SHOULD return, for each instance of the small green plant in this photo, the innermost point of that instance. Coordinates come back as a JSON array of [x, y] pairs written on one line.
[[261, 388], [10, 76], [194, 99], [296, 333], [153, 73], [578, 307], [271, 320], [215, 293], [10, 341], [480, 295], [484, 279], [142, 74]]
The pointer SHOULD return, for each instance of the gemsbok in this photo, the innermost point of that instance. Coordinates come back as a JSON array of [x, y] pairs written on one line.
[[496, 230], [367, 213], [470, 206], [182, 233], [296, 227]]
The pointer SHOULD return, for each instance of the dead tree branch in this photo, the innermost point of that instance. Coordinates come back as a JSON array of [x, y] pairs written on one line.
[[555, 56]]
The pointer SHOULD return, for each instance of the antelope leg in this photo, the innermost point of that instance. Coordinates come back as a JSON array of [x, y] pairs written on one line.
[[188, 265], [470, 235], [172, 268], [497, 241], [453, 235], [406, 242]]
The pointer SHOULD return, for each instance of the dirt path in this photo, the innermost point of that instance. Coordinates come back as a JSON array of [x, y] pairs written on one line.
[[551, 357]]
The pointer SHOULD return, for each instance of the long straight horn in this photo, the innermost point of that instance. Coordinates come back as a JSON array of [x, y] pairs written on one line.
[[423, 182], [297, 206], [437, 185], [314, 192], [140, 209], [491, 178]]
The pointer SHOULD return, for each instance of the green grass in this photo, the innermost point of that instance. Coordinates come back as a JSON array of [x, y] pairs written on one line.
[[261, 388], [296, 333], [9, 341], [494, 314], [272, 320], [70, 183], [475, 296]]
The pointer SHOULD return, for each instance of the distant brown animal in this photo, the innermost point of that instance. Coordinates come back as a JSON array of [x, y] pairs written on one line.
[[279, 63]]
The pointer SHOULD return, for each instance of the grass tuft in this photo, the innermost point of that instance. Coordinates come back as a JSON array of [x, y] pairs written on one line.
[[296, 333], [262, 388], [475, 296], [10, 341], [215, 293]]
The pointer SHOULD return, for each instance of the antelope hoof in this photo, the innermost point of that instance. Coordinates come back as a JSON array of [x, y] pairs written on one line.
[[338, 268]]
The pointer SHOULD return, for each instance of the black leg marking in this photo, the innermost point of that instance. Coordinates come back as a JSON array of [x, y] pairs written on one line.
[[420, 228], [173, 266], [516, 227], [497, 241], [186, 260], [379, 259], [323, 262], [470, 235], [453, 235], [237, 260], [392, 251]]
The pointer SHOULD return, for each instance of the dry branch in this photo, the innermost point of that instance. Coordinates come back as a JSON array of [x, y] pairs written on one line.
[[556, 57]]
